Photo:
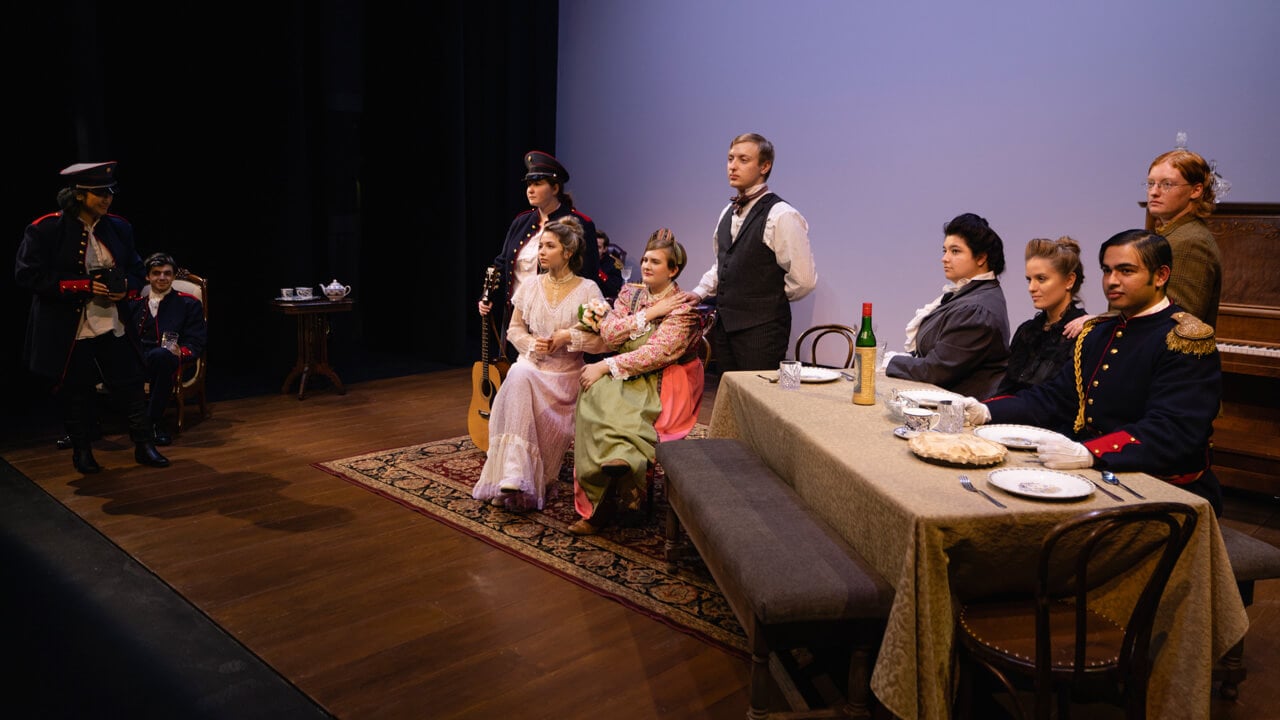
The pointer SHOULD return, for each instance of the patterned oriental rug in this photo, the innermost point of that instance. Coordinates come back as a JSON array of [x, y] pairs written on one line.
[[623, 564]]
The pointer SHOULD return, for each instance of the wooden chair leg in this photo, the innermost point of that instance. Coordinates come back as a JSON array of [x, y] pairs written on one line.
[[1232, 671]]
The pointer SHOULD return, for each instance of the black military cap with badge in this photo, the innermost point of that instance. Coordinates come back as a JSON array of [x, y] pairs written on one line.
[[98, 178], [542, 166]]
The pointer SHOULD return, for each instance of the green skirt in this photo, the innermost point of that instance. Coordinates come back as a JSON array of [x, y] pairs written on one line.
[[614, 421]]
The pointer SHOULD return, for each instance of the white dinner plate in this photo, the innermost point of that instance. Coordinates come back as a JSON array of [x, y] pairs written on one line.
[[930, 398], [1017, 437], [1041, 484], [818, 375]]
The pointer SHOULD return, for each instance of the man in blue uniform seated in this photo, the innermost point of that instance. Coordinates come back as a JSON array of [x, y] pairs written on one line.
[[159, 310], [1144, 385]]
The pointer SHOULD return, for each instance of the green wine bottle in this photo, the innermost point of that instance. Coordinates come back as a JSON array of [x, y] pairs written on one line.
[[865, 347]]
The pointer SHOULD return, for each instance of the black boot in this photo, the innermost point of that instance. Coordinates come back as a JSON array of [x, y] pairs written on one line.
[[82, 458], [159, 435], [146, 454]]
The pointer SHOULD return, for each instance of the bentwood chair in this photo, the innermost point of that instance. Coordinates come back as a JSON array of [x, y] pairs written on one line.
[[1056, 637], [815, 335]]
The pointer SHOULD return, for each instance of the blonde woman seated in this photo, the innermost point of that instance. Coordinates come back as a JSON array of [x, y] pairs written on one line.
[[531, 423], [649, 391], [1039, 347]]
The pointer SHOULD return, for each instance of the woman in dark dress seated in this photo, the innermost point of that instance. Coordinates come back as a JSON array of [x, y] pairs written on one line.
[[1039, 348]]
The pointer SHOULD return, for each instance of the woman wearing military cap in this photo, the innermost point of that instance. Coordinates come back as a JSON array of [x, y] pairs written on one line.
[[544, 179], [80, 263]]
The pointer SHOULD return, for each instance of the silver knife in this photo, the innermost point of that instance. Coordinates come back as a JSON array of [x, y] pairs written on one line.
[[1105, 491]]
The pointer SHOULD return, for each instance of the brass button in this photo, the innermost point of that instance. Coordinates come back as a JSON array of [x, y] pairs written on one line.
[[1090, 420], [1095, 383], [1119, 333], [1106, 366], [1114, 351], [1090, 401]]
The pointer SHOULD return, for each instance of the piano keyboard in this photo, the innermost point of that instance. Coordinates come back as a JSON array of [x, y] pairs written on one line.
[[1249, 350]]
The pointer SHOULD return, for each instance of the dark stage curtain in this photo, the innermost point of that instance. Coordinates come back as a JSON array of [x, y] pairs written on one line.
[[291, 143]]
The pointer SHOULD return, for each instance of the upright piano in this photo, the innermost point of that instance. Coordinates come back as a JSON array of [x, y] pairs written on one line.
[[1246, 435]]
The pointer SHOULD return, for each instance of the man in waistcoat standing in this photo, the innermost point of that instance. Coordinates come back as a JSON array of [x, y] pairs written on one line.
[[763, 263]]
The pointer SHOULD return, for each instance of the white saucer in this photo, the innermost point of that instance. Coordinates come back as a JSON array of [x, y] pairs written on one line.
[[930, 398], [818, 375], [902, 432]]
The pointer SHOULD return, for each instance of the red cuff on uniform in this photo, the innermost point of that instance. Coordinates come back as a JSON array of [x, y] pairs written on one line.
[[185, 352], [1110, 443], [69, 286]]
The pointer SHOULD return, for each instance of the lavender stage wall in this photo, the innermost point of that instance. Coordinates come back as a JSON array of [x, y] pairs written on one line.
[[891, 118]]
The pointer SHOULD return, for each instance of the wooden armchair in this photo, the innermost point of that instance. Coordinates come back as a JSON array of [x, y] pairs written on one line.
[[192, 385]]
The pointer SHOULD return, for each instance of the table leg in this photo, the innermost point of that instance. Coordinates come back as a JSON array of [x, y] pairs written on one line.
[[313, 356]]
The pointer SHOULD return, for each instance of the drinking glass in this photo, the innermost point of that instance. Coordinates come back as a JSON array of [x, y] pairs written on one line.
[[626, 272], [789, 374], [950, 417], [169, 341]]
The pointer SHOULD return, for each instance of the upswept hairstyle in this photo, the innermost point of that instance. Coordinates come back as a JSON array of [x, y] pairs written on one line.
[[664, 239], [1063, 255], [1196, 171], [980, 238], [569, 231]]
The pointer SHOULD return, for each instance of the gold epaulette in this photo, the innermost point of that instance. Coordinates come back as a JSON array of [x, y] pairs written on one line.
[[1191, 335]]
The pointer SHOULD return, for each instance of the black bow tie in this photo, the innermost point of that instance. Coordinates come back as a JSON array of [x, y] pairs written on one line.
[[740, 201]]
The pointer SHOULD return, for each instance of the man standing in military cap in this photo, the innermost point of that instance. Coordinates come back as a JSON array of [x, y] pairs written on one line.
[[544, 182], [79, 264]]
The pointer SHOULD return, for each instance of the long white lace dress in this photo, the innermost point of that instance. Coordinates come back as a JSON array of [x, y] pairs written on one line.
[[531, 424]]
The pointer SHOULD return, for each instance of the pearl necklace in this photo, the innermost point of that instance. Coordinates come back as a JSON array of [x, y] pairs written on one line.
[[665, 292], [557, 289]]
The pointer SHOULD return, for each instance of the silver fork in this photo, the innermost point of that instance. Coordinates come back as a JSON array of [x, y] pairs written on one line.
[[964, 480]]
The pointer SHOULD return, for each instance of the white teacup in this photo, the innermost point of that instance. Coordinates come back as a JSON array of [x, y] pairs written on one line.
[[919, 419], [286, 293], [304, 293]]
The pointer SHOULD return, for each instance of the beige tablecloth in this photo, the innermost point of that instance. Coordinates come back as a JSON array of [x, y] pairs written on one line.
[[934, 541]]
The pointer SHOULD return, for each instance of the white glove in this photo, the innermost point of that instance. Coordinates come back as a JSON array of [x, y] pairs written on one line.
[[1064, 455], [889, 355], [975, 413]]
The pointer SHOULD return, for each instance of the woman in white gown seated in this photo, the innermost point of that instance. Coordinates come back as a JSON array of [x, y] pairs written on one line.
[[531, 423]]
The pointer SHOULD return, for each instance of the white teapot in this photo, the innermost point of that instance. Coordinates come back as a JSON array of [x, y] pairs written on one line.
[[335, 290]]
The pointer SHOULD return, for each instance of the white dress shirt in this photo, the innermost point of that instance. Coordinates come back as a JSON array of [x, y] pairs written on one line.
[[786, 233]]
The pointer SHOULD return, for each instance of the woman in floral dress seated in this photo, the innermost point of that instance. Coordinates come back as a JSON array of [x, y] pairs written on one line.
[[531, 423], [649, 391]]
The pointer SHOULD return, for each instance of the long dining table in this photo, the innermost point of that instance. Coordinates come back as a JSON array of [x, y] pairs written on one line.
[[938, 544]]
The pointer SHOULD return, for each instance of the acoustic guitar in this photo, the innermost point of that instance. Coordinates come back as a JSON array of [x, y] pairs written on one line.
[[486, 376]]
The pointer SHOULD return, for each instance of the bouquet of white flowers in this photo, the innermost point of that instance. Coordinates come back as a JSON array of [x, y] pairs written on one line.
[[591, 313]]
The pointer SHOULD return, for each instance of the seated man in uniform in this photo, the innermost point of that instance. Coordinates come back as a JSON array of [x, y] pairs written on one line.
[[159, 310], [1144, 385]]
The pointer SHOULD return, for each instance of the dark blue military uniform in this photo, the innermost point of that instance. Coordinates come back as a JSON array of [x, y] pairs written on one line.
[[1140, 393]]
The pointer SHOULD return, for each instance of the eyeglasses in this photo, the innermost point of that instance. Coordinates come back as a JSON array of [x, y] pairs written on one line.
[[1164, 185], [102, 192]]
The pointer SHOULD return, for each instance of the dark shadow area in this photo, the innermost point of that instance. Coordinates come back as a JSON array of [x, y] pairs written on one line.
[[305, 143], [92, 633]]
